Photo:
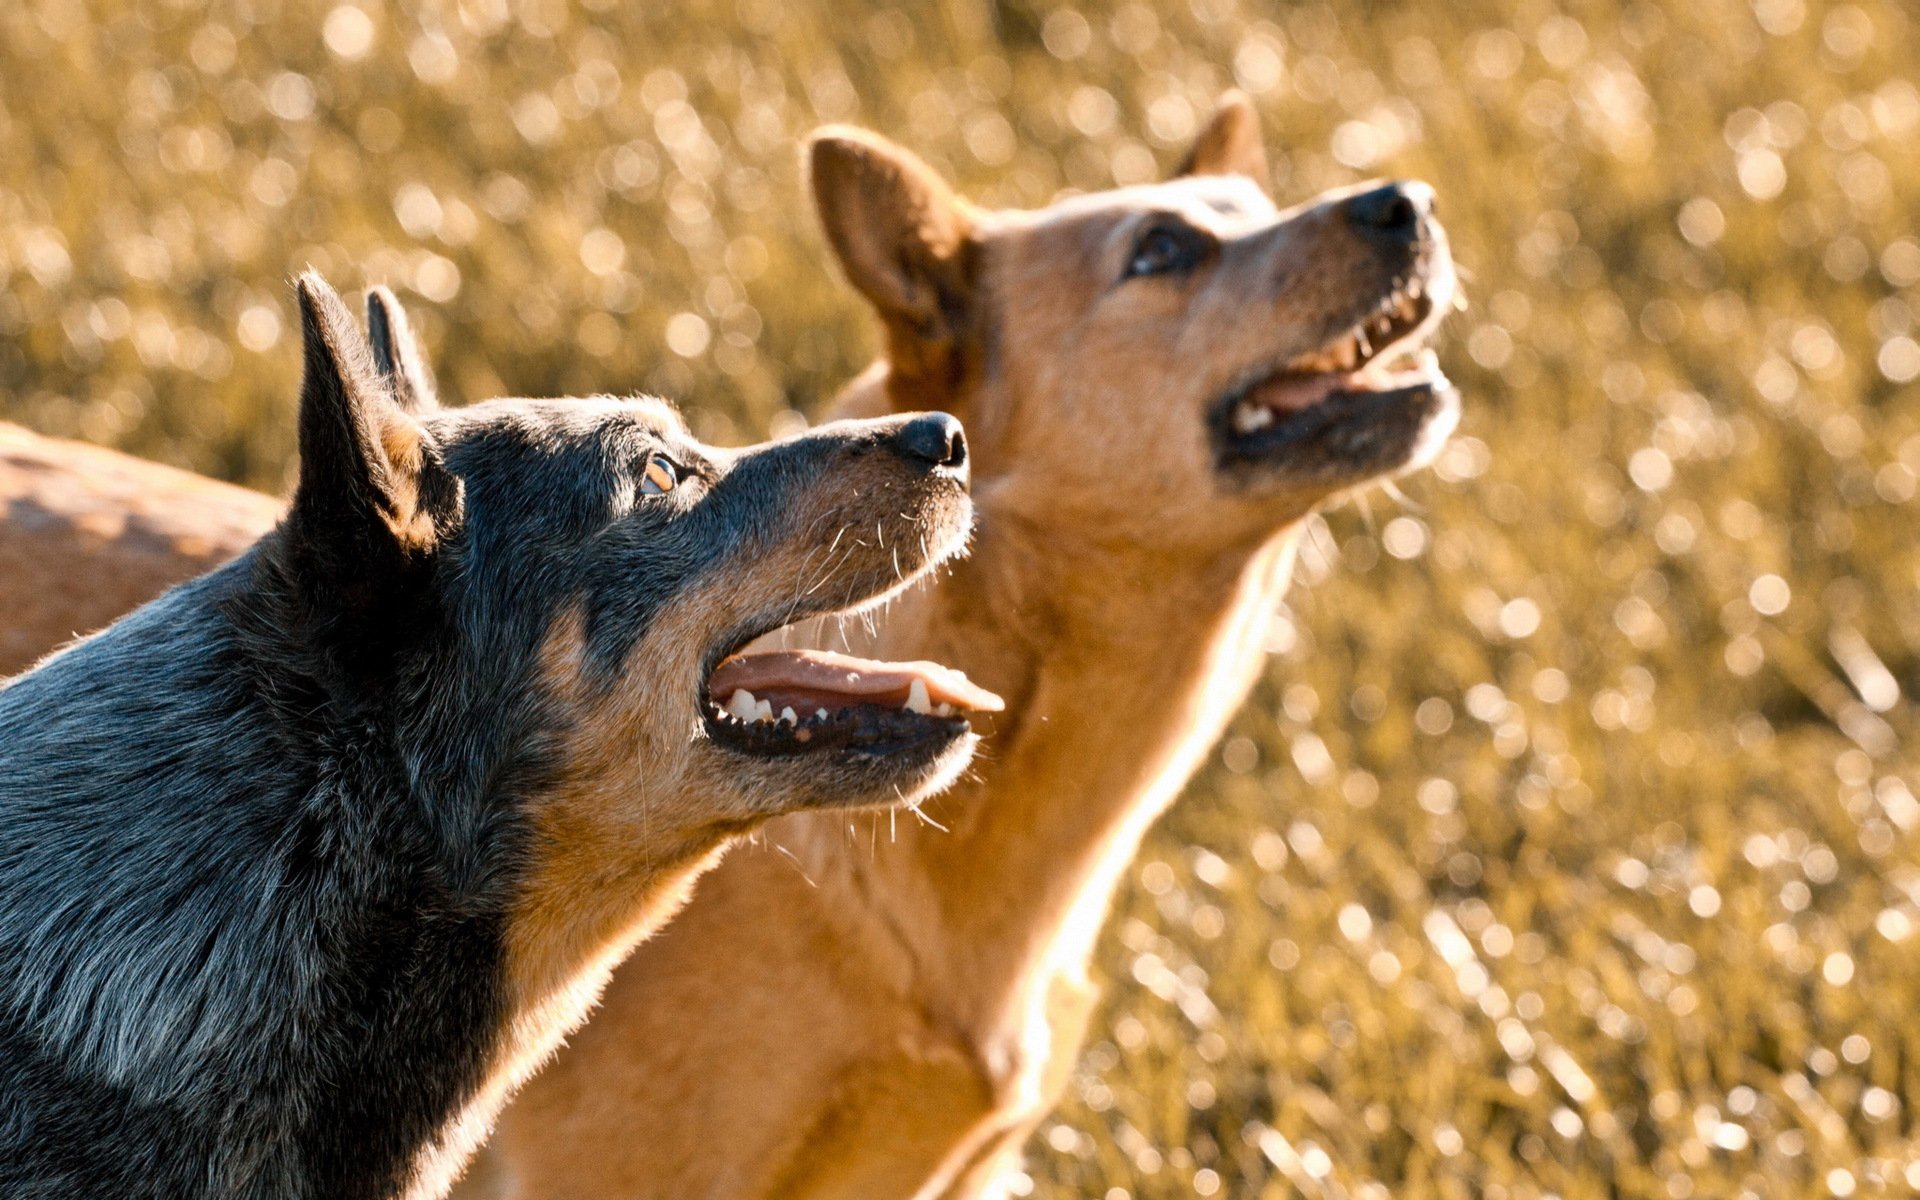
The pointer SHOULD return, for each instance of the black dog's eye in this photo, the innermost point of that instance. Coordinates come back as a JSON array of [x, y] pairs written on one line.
[[1165, 249], [661, 476]]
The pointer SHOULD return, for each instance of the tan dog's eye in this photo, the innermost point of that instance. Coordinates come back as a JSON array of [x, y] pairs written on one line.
[[660, 477], [1166, 250]]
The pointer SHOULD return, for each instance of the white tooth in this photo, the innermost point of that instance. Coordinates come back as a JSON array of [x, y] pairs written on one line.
[[1415, 287], [742, 705], [1248, 417], [943, 709], [819, 714], [1366, 347], [788, 716], [763, 711], [917, 699]]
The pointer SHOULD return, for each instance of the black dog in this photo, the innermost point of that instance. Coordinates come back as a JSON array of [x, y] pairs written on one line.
[[306, 864]]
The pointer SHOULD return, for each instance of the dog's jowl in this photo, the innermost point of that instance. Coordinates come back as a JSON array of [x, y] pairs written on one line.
[[307, 863]]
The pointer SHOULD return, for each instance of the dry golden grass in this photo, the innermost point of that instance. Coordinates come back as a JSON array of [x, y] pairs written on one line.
[[1569, 849]]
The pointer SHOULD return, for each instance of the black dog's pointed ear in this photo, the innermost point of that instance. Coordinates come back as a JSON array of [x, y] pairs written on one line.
[[904, 239], [397, 353], [372, 493], [1230, 144]]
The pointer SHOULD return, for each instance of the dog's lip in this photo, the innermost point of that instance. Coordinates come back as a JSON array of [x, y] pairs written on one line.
[[809, 701], [1382, 356], [872, 731], [861, 704], [795, 701], [815, 676]]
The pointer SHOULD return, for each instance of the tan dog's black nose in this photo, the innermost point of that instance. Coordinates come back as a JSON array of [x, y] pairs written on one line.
[[934, 438], [1390, 213]]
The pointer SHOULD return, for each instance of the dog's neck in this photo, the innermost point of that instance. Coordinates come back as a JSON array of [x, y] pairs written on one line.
[[1120, 667]]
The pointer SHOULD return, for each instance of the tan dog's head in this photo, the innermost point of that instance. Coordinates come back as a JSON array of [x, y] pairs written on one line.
[[1189, 361]]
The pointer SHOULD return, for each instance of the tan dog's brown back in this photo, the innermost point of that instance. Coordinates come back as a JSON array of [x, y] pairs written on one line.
[[87, 535]]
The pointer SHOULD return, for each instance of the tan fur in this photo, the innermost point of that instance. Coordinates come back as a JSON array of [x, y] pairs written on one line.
[[402, 442], [603, 876], [887, 1012], [87, 534], [594, 847], [885, 1009]]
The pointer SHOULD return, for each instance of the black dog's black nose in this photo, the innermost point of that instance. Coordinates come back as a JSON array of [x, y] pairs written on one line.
[[1394, 211], [935, 438]]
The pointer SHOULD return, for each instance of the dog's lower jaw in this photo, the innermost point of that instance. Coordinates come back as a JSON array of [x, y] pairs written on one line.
[[1434, 434]]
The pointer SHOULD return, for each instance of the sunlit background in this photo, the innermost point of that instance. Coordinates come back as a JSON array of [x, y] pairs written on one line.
[[1569, 848]]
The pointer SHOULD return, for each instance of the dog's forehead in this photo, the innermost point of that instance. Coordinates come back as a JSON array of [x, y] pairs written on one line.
[[566, 420], [649, 414], [1218, 202]]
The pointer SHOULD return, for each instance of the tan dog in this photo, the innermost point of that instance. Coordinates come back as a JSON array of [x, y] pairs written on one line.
[[891, 1020], [1159, 383]]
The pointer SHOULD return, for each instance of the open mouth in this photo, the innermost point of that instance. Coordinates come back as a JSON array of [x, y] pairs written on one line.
[[1383, 357], [786, 702]]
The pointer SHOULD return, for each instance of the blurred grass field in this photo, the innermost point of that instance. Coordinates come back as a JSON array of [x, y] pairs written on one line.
[[1570, 847]]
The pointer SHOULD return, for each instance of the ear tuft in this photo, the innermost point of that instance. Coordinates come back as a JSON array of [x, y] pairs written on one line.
[[1230, 144], [396, 352]]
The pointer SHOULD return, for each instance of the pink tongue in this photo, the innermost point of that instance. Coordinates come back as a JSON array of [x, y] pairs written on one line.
[[1292, 393], [824, 673]]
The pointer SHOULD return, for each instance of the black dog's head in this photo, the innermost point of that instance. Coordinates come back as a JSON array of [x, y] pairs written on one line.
[[557, 590]]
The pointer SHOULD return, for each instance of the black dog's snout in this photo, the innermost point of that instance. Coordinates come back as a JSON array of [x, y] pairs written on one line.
[[934, 438], [1393, 212]]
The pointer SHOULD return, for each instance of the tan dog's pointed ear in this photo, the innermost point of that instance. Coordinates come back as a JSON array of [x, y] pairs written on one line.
[[397, 353], [904, 239], [1230, 144]]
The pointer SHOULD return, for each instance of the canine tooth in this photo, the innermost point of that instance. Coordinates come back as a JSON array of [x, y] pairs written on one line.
[[1249, 417], [763, 711], [943, 709], [917, 699], [788, 717], [742, 705]]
